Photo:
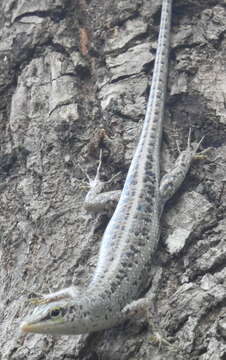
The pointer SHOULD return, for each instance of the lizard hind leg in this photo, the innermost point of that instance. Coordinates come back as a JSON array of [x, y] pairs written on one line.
[[96, 200], [172, 180]]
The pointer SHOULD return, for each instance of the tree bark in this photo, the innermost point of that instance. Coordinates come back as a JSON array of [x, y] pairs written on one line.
[[74, 78]]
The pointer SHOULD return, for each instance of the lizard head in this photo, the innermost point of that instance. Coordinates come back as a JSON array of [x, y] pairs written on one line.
[[54, 319], [46, 319], [58, 316]]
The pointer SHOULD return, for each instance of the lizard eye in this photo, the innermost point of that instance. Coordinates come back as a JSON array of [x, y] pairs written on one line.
[[55, 312]]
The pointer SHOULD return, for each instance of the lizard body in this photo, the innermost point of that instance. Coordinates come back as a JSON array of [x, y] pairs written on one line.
[[132, 234]]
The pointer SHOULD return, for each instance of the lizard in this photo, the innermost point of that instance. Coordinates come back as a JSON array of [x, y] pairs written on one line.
[[132, 234]]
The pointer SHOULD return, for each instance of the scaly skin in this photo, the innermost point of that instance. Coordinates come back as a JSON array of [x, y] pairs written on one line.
[[132, 234]]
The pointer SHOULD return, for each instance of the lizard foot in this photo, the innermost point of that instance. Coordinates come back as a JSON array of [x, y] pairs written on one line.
[[158, 340], [141, 307]]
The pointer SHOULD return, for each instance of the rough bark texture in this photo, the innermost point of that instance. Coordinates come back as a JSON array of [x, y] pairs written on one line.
[[68, 69]]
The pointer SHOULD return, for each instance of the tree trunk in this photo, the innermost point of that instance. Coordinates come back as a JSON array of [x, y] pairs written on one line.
[[74, 78]]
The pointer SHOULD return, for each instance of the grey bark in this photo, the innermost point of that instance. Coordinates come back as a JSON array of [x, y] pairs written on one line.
[[68, 70]]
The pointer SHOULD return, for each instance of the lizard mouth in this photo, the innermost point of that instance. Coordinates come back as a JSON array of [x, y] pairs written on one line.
[[40, 328], [27, 328]]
